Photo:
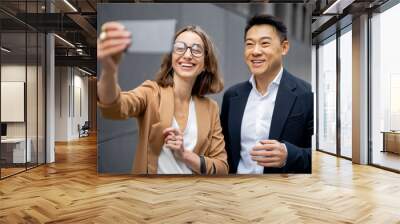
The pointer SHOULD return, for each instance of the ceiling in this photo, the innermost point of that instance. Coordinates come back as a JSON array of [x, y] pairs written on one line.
[[76, 20], [330, 16], [76, 25]]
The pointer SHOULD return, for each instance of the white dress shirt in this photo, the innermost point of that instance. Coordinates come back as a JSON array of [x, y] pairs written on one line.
[[256, 123], [167, 163]]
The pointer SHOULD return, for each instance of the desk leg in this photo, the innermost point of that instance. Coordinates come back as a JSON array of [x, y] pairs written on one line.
[[384, 142]]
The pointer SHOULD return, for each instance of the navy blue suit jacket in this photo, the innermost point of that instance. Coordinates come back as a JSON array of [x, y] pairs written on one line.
[[292, 122]]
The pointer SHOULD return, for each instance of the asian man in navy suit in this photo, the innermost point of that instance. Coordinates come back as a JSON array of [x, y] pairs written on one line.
[[267, 120]]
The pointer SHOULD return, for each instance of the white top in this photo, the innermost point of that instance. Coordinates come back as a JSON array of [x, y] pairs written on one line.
[[256, 123], [167, 163]]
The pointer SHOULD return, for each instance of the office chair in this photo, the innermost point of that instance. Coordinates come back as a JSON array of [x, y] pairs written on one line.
[[84, 130]]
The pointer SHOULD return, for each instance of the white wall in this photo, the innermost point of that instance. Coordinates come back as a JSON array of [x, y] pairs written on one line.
[[71, 93], [61, 103]]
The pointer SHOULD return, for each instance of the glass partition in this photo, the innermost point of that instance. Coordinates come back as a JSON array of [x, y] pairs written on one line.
[[13, 105], [31, 98], [41, 91], [22, 88]]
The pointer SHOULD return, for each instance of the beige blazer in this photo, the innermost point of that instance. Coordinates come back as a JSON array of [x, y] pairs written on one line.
[[153, 106]]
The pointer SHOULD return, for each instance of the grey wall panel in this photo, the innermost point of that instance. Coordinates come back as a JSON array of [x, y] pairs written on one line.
[[117, 153], [298, 60], [116, 144]]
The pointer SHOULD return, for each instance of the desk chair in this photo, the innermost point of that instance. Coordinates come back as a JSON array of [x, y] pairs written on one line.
[[84, 130]]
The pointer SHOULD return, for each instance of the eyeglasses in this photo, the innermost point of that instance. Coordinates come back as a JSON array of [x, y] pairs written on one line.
[[196, 49]]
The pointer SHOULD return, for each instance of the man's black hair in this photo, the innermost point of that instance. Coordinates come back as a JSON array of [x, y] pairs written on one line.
[[265, 19]]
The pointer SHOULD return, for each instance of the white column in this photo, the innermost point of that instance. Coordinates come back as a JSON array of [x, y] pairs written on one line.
[[50, 92], [360, 90]]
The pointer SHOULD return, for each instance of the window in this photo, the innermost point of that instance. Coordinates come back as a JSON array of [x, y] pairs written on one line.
[[346, 92], [385, 89], [327, 96]]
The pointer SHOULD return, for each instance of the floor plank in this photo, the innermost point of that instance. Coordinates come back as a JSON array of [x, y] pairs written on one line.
[[71, 191]]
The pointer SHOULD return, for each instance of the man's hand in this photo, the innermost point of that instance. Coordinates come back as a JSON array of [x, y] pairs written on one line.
[[270, 153]]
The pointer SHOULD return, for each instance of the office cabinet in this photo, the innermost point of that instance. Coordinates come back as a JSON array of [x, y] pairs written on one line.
[[13, 150], [391, 142]]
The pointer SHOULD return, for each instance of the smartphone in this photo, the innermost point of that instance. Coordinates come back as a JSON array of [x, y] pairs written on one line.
[[150, 36]]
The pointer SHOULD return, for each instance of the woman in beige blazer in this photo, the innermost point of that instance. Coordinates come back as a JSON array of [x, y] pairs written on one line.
[[179, 128]]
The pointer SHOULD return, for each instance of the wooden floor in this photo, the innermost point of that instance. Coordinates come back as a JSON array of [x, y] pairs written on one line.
[[10, 171], [5, 172], [70, 191]]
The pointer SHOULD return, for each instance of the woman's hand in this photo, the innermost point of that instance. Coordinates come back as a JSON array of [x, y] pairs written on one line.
[[112, 42], [173, 139]]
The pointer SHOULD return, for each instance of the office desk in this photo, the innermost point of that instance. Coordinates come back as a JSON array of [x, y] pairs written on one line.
[[391, 141], [15, 148]]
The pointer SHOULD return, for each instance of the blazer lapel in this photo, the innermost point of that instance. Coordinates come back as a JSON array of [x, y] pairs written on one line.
[[165, 113], [237, 106], [285, 99], [166, 110], [203, 123]]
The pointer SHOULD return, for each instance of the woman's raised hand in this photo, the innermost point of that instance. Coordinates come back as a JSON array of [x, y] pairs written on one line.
[[112, 42]]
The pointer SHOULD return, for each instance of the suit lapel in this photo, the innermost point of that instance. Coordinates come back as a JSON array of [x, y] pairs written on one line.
[[285, 99], [237, 106], [203, 123]]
